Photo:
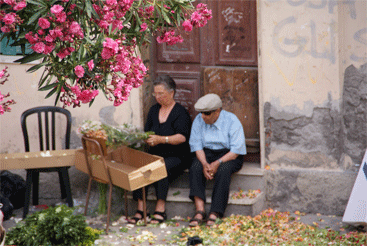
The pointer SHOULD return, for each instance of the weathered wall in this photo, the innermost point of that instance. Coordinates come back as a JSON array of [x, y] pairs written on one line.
[[312, 80]]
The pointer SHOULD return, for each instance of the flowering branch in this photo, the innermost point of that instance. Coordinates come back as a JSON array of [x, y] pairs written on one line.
[[4, 106], [87, 46]]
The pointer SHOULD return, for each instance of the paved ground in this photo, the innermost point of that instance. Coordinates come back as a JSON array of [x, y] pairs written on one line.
[[121, 233]]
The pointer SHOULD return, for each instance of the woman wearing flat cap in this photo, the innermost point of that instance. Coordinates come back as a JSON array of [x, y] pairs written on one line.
[[218, 140], [171, 124]]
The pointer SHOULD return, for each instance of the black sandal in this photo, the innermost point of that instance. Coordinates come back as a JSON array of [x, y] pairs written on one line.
[[217, 216], [200, 221], [136, 219], [163, 214]]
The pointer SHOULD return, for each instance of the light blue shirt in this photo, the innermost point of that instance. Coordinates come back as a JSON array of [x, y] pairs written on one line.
[[226, 132]]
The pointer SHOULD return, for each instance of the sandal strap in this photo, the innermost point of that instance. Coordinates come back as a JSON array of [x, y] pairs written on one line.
[[202, 213], [217, 215], [163, 214], [142, 213]]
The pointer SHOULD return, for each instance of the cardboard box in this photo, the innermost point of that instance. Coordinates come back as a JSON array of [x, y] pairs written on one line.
[[40, 159], [129, 169]]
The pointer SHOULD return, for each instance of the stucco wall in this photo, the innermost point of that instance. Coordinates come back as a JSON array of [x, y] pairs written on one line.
[[312, 80]]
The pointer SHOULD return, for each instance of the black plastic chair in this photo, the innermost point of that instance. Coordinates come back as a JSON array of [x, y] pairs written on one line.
[[47, 141]]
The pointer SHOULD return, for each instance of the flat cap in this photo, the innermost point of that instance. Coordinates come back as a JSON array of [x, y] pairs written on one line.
[[207, 103]]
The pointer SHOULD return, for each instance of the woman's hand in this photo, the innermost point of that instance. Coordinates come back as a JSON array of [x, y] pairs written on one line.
[[154, 140]]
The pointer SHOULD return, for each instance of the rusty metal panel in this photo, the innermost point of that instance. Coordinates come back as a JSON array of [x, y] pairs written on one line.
[[238, 89], [187, 93], [186, 52], [187, 90], [235, 32]]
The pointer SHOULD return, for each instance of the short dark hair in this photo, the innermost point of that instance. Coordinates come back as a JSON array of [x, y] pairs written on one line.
[[166, 81]]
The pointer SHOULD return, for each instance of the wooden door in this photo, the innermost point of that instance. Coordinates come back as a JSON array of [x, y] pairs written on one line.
[[219, 58]]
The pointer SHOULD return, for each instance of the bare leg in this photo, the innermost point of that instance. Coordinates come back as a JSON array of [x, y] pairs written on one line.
[[200, 206], [160, 207], [137, 215]]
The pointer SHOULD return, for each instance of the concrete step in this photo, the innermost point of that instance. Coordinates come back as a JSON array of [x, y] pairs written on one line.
[[249, 177], [179, 204]]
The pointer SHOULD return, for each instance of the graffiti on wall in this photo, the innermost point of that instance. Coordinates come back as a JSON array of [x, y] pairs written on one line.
[[286, 46]]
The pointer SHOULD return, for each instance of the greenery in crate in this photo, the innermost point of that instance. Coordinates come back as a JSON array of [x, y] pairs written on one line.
[[127, 135], [115, 136], [52, 226]]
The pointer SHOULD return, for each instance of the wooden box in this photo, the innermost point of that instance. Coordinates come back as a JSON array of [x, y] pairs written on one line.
[[129, 169]]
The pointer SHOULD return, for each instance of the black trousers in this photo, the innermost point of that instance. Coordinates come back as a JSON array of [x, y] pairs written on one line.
[[222, 179], [175, 167]]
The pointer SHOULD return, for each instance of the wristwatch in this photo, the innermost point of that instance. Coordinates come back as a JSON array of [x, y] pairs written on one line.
[[166, 140], [220, 161]]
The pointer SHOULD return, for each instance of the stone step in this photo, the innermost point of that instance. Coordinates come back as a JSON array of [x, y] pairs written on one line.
[[179, 204], [249, 177]]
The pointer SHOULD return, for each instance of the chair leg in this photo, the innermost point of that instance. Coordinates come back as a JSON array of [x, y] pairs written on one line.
[[145, 206], [28, 190], [62, 184], [126, 206], [109, 208], [88, 194], [35, 185], [66, 185]]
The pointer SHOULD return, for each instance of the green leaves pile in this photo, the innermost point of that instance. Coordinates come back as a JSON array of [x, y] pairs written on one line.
[[52, 226]]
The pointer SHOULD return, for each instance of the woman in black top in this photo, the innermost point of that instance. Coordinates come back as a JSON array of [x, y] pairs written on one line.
[[171, 124]]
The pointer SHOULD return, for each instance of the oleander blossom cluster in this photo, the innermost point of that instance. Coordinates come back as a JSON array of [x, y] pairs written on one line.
[[5, 103], [88, 46], [8, 18]]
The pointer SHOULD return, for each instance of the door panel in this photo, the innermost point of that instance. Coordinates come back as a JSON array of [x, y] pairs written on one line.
[[186, 52], [235, 35]]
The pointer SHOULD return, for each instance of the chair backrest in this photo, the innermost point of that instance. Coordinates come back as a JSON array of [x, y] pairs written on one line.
[[46, 126], [93, 147]]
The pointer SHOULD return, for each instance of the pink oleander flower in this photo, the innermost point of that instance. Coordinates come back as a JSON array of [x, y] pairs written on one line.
[[201, 16], [5, 29], [43, 23], [169, 38], [75, 28], [187, 26], [87, 95], [10, 2], [56, 33], [32, 39], [20, 5], [143, 27], [39, 47], [111, 2], [61, 17], [110, 48], [90, 65], [79, 71], [9, 19], [149, 10], [65, 52], [56, 9], [49, 48]]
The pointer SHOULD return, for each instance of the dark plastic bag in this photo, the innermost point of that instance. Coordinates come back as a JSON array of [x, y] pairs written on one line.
[[13, 186]]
